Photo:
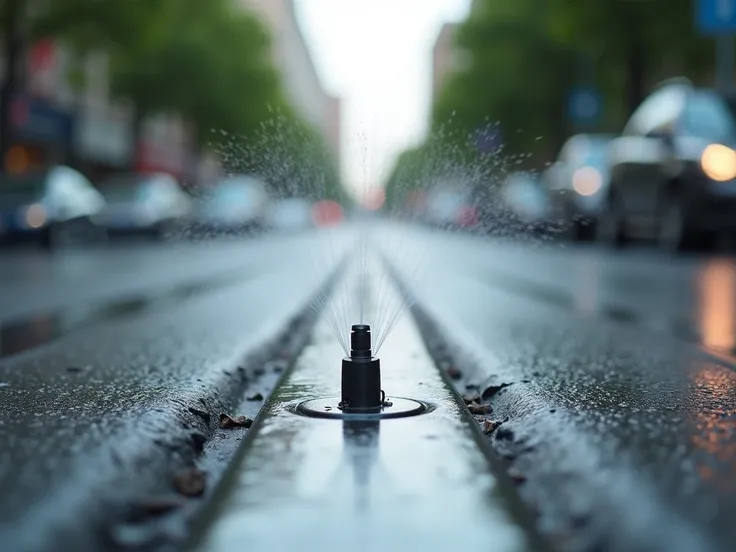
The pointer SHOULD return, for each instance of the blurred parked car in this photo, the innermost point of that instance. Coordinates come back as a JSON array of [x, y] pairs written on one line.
[[290, 215], [525, 198], [153, 204], [673, 171], [236, 204], [451, 206], [578, 183], [51, 207]]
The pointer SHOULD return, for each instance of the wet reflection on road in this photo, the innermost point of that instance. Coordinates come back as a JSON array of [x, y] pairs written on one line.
[[20, 335], [714, 437], [715, 386], [360, 445], [587, 297], [716, 294]]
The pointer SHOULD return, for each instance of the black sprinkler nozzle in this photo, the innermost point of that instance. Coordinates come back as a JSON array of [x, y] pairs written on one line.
[[361, 374], [360, 341]]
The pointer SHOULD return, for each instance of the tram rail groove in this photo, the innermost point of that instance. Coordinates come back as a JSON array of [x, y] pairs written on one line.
[[418, 482]]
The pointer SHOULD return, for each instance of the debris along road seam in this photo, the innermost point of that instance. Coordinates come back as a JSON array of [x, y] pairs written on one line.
[[560, 391], [416, 483], [116, 435], [575, 510]]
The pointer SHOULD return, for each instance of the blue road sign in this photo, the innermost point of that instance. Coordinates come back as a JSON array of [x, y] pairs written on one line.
[[584, 105], [715, 17]]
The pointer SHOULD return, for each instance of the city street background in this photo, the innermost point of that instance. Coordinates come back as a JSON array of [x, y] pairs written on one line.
[[528, 210]]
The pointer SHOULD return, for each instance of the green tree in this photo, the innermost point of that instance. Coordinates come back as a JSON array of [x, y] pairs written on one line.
[[210, 62], [517, 75], [105, 24], [634, 42], [523, 59], [526, 56]]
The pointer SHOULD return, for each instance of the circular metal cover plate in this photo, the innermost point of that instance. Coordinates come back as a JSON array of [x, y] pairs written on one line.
[[327, 408]]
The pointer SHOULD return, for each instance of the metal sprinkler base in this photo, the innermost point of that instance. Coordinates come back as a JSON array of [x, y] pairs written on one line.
[[329, 407]]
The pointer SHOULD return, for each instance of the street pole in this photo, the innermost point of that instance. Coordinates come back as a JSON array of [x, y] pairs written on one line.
[[725, 58], [14, 47]]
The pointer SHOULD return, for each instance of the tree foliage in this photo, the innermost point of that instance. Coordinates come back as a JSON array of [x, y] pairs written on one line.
[[634, 43], [98, 24], [524, 58], [210, 62], [517, 75]]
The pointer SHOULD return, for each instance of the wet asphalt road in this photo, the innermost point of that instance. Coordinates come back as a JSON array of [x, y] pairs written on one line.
[[622, 408], [32, 281], [117, 355]]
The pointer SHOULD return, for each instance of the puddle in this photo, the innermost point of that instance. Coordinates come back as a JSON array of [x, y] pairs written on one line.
[[20, 335]]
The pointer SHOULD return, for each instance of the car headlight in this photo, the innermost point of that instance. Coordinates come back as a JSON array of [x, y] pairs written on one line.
[[586, 181], [34, 216], [719, 162]]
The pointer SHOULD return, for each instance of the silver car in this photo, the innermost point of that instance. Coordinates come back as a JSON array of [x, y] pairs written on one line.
[[234, 205], [153, 204]]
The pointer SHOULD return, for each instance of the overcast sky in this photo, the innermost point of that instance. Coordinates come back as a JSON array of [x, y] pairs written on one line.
[[376, 55]]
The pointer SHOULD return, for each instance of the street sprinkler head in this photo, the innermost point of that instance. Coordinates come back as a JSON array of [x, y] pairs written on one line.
[[361, 395], [361, 375]]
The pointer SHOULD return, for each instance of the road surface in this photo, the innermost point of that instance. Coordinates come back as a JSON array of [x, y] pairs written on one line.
[[114, 358], [621, 409]]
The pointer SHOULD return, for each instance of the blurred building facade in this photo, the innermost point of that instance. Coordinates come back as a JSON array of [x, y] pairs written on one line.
[[41, 124], [300, 78], [65, 113], [103, 132]]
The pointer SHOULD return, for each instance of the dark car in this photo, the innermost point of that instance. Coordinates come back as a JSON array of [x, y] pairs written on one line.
[[578, 183], [51, 207], [673, 170]]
